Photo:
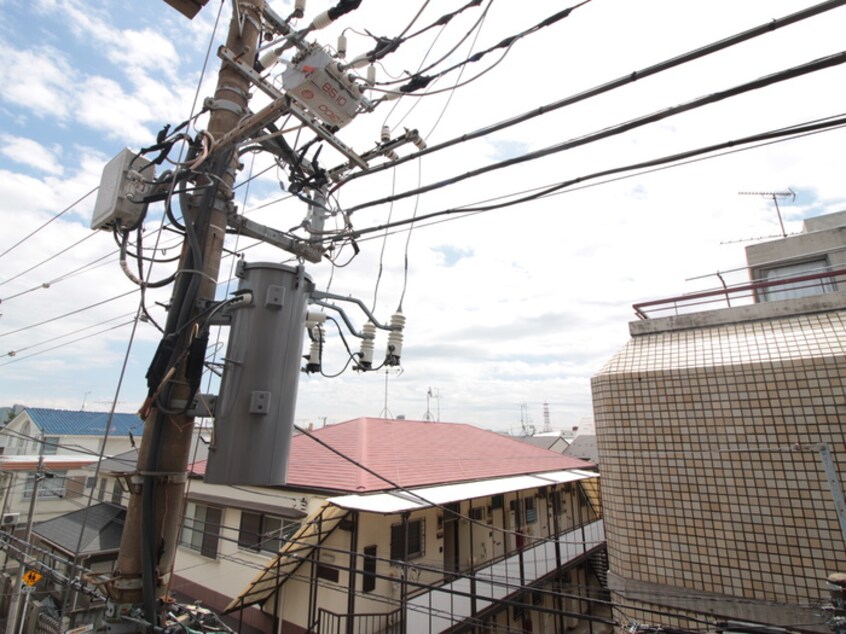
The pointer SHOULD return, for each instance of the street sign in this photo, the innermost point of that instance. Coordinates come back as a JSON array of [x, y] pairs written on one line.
[[31, 577]]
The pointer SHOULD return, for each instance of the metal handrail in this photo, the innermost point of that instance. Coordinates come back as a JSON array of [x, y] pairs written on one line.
[[641, 308]]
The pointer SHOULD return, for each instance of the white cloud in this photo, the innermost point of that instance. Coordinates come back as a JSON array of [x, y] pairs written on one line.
[[31, 153], [39, 80]]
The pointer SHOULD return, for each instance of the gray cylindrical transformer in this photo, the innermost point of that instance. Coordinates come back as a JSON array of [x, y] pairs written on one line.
[[254, 417]]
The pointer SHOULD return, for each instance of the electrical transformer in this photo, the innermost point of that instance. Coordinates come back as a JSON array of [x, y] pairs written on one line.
[[254, 416]]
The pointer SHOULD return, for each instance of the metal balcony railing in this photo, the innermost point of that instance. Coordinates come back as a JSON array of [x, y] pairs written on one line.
[[443, 606], [742, 294]]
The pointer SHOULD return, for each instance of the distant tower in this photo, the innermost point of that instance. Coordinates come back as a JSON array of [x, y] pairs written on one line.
[[546, 425]]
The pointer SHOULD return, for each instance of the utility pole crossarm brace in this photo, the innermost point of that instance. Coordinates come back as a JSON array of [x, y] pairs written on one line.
[[253, 229]]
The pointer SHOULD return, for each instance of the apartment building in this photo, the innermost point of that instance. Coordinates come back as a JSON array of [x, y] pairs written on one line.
[[722, 439]]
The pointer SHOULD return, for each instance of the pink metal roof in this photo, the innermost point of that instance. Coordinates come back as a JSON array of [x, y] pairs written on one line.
[[411, 453]]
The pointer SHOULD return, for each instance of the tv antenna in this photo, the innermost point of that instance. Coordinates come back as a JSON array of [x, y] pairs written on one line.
[[774, 196]]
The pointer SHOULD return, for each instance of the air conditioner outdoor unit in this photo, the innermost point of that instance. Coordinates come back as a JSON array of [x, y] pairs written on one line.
[[9, 519]]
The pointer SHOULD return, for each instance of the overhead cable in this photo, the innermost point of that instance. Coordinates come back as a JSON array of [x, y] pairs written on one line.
[[800, 130], [68, 314], [613, 84], [762, 82], [56, 217], [419, 82]]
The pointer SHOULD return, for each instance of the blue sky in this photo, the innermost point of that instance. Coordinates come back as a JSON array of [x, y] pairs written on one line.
[[519, 305]]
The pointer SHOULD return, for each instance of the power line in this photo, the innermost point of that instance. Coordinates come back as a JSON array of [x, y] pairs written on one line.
[[52, 257], [794, 131], [762, 82], [68, 314], [55, 217], [613, 84], [67, 343]]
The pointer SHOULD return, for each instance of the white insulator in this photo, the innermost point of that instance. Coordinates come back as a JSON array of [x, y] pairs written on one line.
[[417, 140], [386, 134], [314, 317], [359, 62], [395, 337], [368, 332], [269, 59], [299, 8], [314, 353], [392, 155], [321, 21], [342, 46], [371, 74]]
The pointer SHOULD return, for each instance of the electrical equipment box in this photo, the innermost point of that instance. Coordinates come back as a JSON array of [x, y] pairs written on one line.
[[125, 181], [254, 416], [321, 88]]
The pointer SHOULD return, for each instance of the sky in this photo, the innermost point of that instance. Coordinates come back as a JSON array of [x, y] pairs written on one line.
[[506, 310]]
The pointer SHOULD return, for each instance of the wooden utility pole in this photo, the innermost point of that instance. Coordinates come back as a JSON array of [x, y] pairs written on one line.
[[151, 532]]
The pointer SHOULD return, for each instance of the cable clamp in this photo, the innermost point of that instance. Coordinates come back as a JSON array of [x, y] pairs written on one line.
[[224, 104], [166, 477], [235, 90]]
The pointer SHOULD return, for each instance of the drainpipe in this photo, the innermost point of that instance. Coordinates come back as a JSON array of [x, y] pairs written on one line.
[[404, 578], [352, 579], [519, 520], [552, 521], [472, 526]]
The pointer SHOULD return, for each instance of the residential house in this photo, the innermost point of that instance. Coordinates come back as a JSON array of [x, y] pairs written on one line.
[[66, 442], [722, 438], [414, 526], [551, 441], [584, 448]]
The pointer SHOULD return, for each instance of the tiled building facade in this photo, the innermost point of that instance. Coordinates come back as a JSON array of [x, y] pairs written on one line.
[[711, 431]]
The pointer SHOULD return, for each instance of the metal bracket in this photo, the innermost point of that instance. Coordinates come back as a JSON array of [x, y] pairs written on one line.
[[253, 229], [223, 104], [166, 477], [248, 72]]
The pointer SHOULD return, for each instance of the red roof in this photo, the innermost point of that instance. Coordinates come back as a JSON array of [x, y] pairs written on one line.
[[410, 454]]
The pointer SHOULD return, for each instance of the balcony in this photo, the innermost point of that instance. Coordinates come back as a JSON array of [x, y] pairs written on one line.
[[440, 608], [732, 296]]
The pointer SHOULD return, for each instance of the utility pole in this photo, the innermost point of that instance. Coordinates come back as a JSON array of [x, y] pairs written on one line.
[[151, 533], [12, 619]]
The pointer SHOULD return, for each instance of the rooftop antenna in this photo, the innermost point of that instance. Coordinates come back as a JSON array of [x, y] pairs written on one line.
[[546, 424], [775, 196], [386, 413], [84, 400]]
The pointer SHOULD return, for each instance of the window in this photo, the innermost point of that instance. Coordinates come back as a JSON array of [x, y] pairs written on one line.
[[497, 501], [368, 583], [795, 289], [51, 445], [264, 533], [531, 510], [117, 493], [416, 540], [330, 573], [52, 485], [201, 529]]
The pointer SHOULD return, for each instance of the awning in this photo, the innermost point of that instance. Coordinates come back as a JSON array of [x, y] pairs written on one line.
[[424, 497]]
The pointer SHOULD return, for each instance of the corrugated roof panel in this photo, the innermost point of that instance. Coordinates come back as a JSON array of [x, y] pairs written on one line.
[[399, 501]]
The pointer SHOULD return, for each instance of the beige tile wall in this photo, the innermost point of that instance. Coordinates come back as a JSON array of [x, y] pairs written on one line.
[[705, 483]]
